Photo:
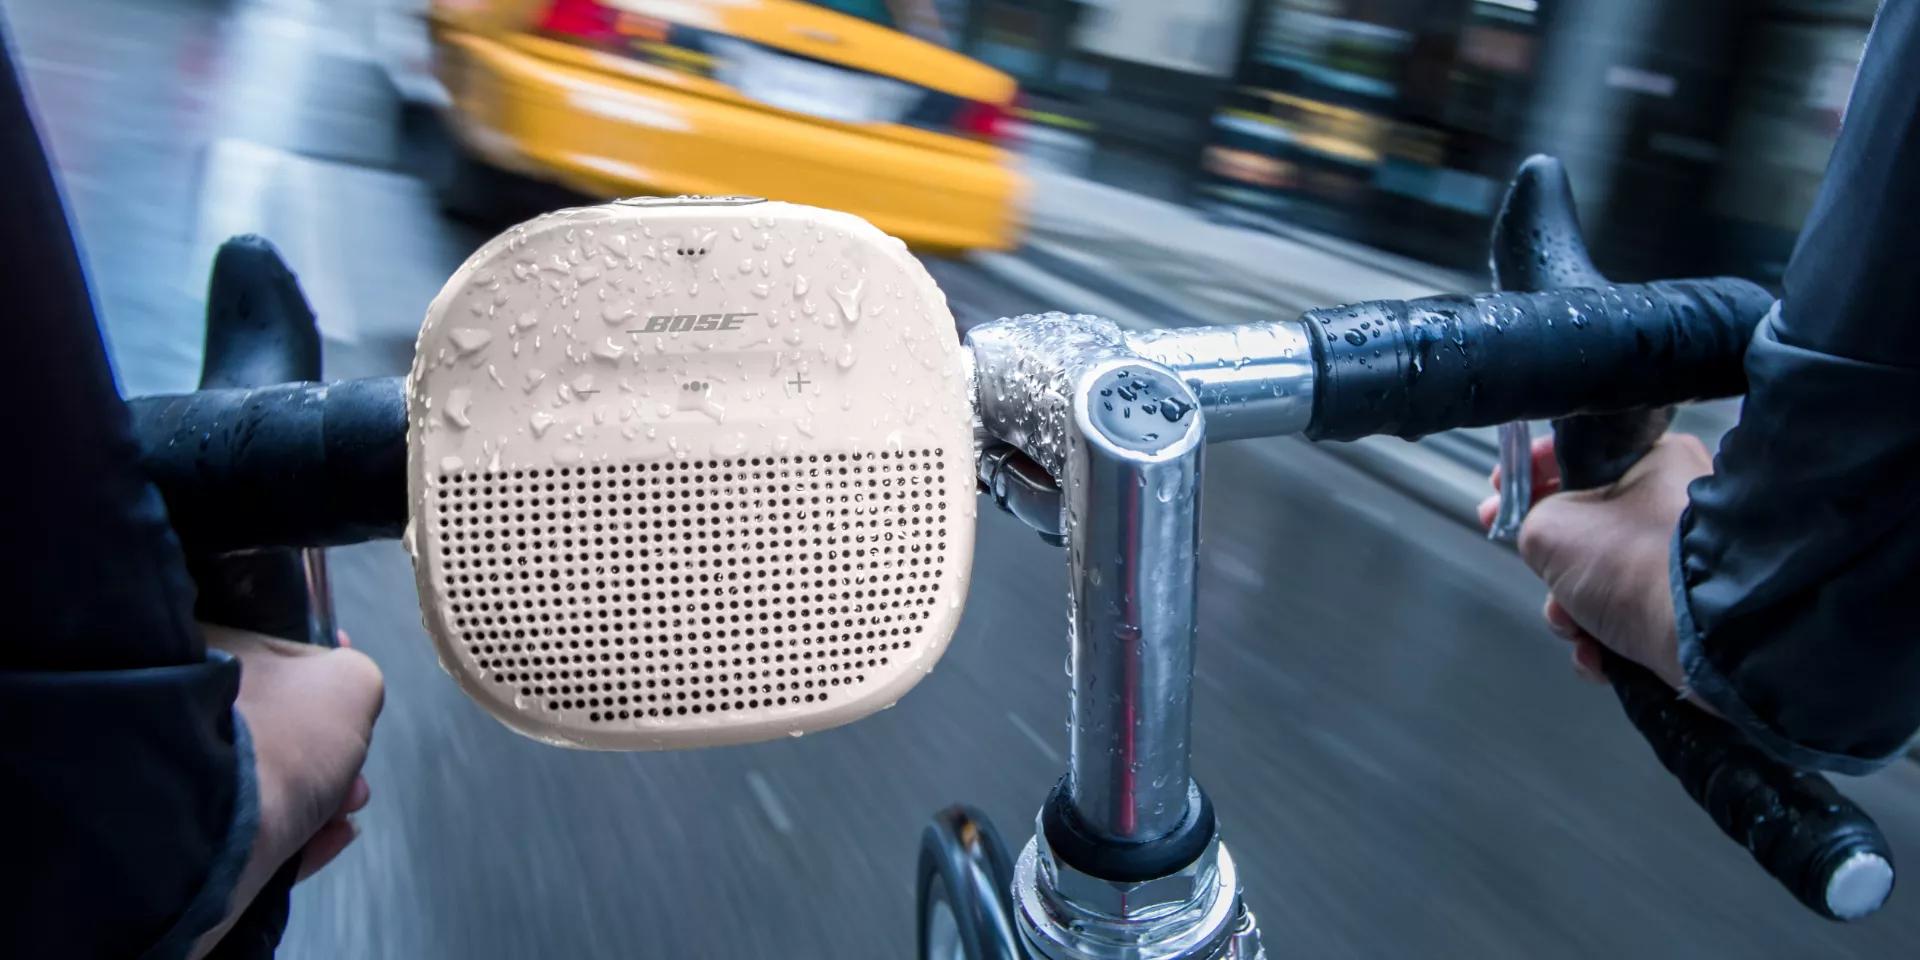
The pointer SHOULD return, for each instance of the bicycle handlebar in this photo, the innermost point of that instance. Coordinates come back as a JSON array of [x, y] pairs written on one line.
[[1417, 367], [291, 465], [325, 464]]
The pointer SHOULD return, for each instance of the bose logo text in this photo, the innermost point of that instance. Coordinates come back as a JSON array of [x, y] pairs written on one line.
[[682, 322]]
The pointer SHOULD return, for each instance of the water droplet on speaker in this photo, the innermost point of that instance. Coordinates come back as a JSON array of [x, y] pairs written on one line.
[[468, 340], [849, 301], [458, 399]]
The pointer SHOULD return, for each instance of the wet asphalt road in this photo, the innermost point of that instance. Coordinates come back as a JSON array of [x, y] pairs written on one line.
[[1402, 763]]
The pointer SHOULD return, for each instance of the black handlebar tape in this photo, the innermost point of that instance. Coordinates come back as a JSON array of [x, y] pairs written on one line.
[[1410, 368], [1537, 245], [291, 465], [1823, 848]]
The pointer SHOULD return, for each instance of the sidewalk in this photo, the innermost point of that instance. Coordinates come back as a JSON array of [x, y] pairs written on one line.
[[1143, 262]]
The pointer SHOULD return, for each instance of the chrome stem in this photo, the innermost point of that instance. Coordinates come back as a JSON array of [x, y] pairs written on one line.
[[1133, 508]]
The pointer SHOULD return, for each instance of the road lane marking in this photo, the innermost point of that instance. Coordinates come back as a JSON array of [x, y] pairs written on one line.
[[1033, 736], [769, 802]]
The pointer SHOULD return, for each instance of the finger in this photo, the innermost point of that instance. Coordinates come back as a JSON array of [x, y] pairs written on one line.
[[1487, 510], [1546, 466], [1559, 620], [327, 843], [1544, 488], [357, 795], [340, 639], [1588, 662]]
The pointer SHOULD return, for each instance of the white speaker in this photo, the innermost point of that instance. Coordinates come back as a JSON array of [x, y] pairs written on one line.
[[686, 472]]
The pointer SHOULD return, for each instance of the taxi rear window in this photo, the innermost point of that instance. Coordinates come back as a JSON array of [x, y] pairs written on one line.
[[872, 10]]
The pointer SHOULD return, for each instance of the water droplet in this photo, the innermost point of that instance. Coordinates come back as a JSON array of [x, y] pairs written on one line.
[[467, 340], [845, 358], [458, 399], [849, 301], [540, 422]]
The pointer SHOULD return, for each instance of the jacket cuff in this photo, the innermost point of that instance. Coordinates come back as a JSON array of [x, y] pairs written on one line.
[[1706, 682], [209, 906]]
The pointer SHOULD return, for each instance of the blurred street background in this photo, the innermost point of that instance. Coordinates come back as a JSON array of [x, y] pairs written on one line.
[[1403, 763]]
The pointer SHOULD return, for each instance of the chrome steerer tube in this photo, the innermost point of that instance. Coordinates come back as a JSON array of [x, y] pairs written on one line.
[[1133, 525]]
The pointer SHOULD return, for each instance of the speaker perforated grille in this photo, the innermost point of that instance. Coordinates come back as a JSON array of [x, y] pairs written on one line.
[[654, 590]]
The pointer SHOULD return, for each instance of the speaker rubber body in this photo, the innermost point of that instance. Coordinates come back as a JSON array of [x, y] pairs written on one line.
[[689, 472]]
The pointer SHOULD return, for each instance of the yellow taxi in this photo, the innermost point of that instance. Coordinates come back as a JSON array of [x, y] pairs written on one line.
[[823, 103]]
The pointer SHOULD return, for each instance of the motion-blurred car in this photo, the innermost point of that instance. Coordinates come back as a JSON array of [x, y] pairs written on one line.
[[820, 103]]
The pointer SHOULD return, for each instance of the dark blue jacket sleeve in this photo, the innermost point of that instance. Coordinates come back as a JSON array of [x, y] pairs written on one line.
[[125, 771], [1797, 566]]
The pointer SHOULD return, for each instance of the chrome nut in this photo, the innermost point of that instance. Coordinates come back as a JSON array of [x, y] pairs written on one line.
[[1132, 902]]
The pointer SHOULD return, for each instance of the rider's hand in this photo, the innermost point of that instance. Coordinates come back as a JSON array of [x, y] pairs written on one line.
[[310, 710], [1604, 553]]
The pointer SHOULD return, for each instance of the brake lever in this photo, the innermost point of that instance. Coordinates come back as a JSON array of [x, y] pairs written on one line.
[[1022, 488], [1516, 481]]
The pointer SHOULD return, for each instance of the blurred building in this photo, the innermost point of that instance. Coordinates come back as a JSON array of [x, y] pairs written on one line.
[[1696, 132]]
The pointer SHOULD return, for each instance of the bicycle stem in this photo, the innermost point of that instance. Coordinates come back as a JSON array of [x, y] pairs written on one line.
[[1065, 390], [1126, 859], [1133, 524]]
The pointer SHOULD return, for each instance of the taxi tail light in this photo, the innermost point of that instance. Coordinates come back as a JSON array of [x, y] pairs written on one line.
[[985, 120], [584, 21]]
